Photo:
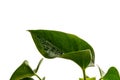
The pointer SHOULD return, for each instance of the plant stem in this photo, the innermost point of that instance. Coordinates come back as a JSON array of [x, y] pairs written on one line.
[[84, 74], [38, 77]]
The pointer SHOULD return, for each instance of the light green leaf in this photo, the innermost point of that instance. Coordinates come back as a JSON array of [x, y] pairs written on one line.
[[23, 71], [88, 78], [53, 44], [82, 57], [112, 74]]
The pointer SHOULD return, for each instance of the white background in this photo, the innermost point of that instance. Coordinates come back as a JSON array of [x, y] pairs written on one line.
[[96, 21]]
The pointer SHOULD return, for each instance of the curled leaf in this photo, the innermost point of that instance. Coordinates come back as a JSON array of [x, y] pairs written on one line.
[[82, 58]]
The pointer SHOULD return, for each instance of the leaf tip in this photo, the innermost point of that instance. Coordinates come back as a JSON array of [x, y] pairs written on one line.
[[26, 62], [29, 30]]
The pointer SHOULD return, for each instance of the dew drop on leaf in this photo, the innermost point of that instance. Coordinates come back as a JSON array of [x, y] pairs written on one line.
[[49, 48]]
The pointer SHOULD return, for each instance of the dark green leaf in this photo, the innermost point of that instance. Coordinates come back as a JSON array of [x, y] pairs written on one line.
[[27, 79], [112, 74], [53, 44], [23, 71], [82, 58]]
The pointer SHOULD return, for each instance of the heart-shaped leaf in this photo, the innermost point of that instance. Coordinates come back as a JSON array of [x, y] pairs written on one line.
[[23, 71], [53, 44], [112, 74], [82, 57]]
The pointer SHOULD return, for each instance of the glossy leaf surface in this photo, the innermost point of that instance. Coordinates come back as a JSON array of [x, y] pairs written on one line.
[[112, 74], [23, 71], [82, 57], [53, 44]]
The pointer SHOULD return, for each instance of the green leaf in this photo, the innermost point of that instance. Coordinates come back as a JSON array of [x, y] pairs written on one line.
[[23, 71], [53, 44], [112, 74], [82, 58], [27, 78], [88, 78]]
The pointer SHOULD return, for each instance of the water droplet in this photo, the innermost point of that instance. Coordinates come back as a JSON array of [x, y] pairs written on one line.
[[49, 48]]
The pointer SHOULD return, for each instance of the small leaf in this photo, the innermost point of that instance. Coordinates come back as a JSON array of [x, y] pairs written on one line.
[[82, 58], [23, 71], [53, 44], [112, 74]]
